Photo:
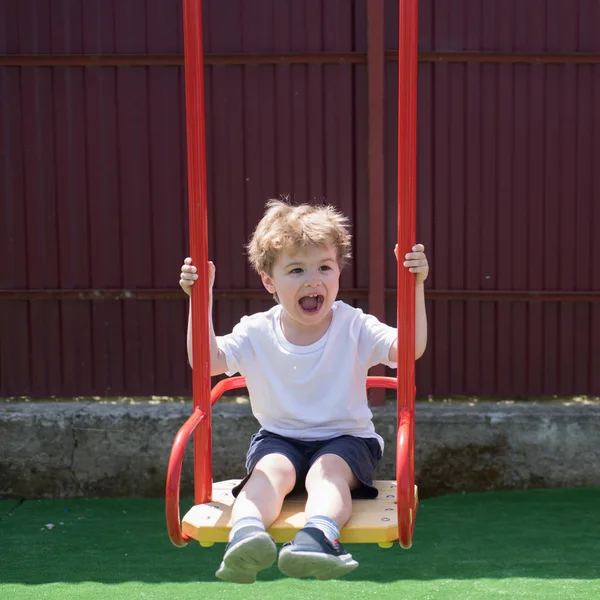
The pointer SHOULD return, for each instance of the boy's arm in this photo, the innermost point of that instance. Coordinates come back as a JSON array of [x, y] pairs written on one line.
[[218, 363], [416, 262], [420, 321], [420, 326]]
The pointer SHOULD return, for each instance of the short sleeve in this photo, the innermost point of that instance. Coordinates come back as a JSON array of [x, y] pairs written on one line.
[[236, 347], [376, 339]]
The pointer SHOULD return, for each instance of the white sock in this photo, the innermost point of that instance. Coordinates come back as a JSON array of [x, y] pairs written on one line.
[[327, 525], [245, 522]]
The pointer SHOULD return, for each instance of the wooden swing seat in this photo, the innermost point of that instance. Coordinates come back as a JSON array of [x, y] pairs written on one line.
[[373, 521]]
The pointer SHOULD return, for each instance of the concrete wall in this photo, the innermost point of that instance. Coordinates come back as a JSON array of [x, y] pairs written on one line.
[[92, 449]]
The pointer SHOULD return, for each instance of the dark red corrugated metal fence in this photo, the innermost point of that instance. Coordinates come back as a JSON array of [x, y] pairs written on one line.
[[301, 99]]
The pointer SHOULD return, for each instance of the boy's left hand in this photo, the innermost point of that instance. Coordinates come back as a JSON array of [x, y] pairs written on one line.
[[416, 262]]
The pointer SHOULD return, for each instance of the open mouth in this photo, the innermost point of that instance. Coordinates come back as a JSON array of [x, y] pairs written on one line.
[[311, 304]]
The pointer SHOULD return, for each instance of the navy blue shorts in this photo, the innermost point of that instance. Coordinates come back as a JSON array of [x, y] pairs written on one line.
[[361, 454]]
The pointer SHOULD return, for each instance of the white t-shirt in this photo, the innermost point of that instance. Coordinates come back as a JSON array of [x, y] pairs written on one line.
[[314, 392]]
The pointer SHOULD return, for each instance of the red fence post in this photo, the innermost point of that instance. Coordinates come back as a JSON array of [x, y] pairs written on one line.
[[376, 110]]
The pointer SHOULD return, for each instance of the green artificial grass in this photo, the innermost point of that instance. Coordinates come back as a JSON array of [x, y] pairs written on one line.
[[542, 545]]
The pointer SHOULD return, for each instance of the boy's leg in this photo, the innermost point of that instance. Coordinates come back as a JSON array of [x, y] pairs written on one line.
[[251, 549], [328, 485], [316, 551], [273, 477]]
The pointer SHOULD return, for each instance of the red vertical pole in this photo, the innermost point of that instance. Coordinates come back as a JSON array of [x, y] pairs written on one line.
[[407, 195], [198, 217], [376, 79]]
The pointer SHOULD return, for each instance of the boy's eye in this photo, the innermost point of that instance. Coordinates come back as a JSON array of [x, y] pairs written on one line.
[[296, 270], [325, 268]]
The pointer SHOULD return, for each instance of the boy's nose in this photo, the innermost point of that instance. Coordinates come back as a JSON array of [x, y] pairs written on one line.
[[312, 280]]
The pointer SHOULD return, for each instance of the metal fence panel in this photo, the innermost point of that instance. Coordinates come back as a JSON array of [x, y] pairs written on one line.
[[93, 182]]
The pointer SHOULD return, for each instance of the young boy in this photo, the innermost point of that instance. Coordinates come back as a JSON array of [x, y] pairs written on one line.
[[305, 362]]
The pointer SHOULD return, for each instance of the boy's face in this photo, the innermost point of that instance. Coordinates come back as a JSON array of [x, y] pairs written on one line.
[[306, 282]]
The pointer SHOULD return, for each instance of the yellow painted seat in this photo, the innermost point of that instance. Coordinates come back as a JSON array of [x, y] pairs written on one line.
[[372, 521]]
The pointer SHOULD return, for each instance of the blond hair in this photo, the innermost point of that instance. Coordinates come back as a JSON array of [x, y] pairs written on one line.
[[290, 227]]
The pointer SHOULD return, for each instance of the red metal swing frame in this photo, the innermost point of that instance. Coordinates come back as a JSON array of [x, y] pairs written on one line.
[[199, 423]]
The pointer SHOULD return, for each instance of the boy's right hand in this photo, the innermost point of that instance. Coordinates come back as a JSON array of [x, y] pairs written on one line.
[[189, 275]]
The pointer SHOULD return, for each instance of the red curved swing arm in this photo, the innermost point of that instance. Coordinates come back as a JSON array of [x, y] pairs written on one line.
[[407, 192], [176, 462], [174, 477]]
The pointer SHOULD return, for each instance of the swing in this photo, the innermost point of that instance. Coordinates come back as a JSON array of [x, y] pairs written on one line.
[[391, 516]]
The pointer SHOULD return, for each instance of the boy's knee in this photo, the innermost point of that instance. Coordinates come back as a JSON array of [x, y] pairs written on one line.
[[331, 467], [278, 469]]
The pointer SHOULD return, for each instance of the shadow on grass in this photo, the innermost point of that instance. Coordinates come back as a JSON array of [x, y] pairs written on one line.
[[535, 534]]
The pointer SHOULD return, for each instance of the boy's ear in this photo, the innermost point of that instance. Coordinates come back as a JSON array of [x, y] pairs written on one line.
[[267, 282]]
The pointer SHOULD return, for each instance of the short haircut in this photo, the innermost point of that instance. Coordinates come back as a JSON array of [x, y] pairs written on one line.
[[286, 227]]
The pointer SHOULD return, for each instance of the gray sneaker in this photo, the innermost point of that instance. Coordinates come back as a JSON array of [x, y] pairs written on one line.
[[312, 554], [250, 550]]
